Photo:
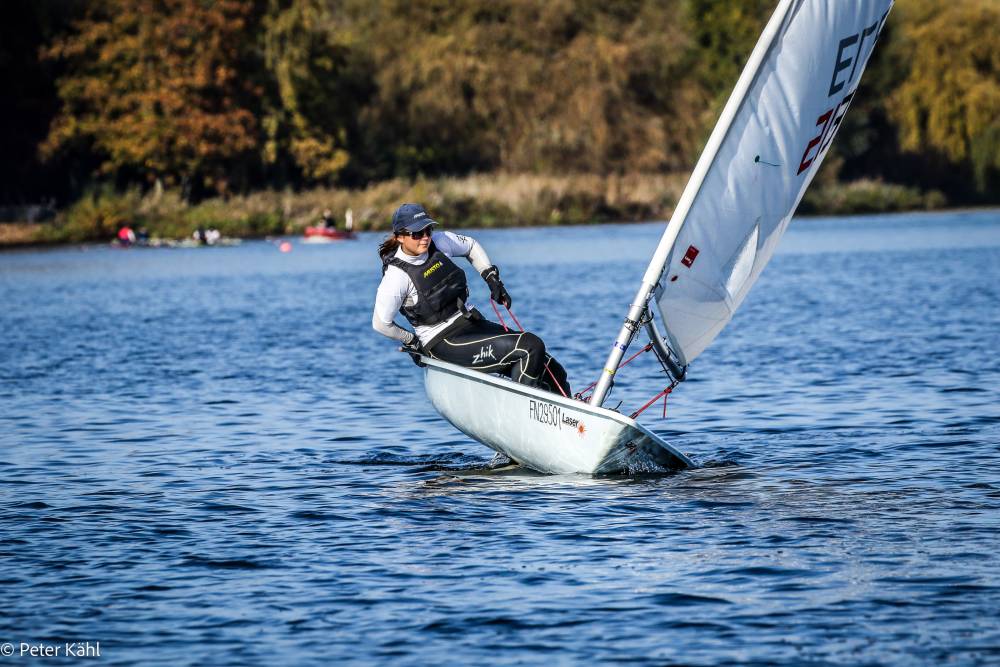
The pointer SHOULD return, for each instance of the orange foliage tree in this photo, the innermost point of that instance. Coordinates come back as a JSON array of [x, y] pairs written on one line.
[[155, 88]]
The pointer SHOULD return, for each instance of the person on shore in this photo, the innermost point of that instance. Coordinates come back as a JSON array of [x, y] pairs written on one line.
[[126, 236], [327, 221], [420, 280]]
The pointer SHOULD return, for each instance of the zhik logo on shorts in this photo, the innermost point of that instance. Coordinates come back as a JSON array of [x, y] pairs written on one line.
[[485, 352]]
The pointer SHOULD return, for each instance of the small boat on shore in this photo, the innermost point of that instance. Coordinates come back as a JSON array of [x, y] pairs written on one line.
[[327, 235]]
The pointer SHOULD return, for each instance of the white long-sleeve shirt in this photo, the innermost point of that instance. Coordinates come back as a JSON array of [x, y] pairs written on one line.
[[397, 290]]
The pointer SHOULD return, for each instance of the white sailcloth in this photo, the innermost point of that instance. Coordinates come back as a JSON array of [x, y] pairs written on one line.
[[762, 155]]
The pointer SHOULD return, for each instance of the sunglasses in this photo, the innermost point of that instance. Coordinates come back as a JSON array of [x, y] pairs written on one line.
[[416, 236]]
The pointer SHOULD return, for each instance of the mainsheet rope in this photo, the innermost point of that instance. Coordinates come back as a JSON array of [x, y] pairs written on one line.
[[521, 329]]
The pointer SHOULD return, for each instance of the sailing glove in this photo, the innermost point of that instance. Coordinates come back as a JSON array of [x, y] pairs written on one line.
[[415, 349], [497, 291]]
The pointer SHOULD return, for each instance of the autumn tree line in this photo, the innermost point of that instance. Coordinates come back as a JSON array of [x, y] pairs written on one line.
[[221, 98]]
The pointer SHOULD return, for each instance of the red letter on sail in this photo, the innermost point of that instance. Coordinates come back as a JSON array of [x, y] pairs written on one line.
[[806, 160]]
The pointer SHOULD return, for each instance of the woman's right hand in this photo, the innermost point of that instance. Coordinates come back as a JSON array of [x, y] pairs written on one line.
[[415, 350]]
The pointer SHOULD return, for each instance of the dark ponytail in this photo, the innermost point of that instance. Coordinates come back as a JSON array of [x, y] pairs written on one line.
[[387, 249]]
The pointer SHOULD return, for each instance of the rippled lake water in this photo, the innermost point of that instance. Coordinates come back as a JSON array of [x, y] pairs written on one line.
[[208, 457]]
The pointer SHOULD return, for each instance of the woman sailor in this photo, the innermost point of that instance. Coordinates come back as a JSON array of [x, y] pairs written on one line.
[[420, 280]]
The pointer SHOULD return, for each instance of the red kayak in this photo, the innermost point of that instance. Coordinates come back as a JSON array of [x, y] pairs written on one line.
[[321, 234]]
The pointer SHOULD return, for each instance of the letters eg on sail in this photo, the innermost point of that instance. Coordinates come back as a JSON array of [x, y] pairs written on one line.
[[771, 139]]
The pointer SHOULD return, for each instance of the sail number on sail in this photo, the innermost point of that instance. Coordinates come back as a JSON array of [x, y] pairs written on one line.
[[829, 121]]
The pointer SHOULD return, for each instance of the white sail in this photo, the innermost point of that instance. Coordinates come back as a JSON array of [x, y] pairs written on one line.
[[764, 151]]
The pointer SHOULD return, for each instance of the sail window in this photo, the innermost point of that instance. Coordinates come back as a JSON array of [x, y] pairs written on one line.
[[741, 265]]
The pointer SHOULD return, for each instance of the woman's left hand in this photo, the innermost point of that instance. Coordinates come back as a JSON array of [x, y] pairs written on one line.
[[497, 291]]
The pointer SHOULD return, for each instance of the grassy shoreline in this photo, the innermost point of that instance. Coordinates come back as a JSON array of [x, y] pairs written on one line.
[[478, 201]]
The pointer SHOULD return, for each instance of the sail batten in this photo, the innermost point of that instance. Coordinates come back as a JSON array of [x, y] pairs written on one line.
[[769, 142]]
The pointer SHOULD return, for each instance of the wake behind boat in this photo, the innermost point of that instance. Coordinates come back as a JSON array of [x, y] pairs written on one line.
[[765, 149]]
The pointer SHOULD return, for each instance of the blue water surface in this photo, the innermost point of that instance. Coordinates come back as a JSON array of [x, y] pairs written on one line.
[[207, 457]]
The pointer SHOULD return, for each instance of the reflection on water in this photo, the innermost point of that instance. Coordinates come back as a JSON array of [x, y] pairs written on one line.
[[208, 457]]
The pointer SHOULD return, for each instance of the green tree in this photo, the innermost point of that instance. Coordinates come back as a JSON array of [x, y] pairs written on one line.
[[322, 77], [949, 101], [600, 88], [557, 86], [159, 89], [423, 118], [724, 34]]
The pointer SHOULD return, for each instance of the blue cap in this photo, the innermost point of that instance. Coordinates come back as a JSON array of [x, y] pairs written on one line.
[[411, 218]]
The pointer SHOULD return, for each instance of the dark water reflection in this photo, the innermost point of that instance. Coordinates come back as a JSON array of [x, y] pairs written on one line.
[[208, 457]]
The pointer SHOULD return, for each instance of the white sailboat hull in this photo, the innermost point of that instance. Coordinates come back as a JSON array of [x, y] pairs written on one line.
[[544, 431]]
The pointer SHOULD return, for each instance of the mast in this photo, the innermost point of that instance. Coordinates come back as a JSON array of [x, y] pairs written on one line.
[[655, 269]]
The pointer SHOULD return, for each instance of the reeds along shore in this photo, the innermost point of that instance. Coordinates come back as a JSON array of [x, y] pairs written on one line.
[[485, 200]]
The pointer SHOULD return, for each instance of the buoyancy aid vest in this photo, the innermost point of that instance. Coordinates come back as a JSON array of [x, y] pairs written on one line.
[[442, 289]]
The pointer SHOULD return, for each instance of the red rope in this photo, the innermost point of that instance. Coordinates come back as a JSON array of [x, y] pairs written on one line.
[[511, 313], [647, 348], [499, 316], [654, 400], [520, 328], [552, 375]]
